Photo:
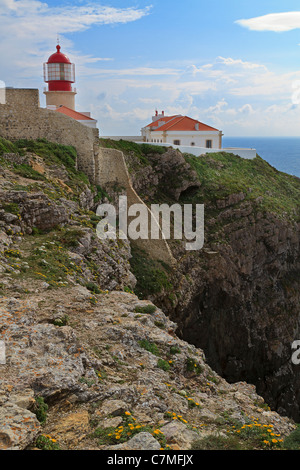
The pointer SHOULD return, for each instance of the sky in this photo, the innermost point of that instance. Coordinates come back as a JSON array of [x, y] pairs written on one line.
[[232, 64]]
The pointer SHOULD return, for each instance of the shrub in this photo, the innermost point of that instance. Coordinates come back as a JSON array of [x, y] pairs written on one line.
[[292, 442], [151, 275], [151, 347], [145, 309], [46, 443], [174, 350], [40, 409], [70, 237], [193, 366], [92, 287], [164, 365]]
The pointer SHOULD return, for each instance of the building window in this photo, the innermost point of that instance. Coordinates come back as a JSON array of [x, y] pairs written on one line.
[[209, 144], [176, 142]]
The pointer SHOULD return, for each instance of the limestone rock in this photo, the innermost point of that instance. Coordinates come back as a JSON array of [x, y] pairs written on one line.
[[141, 441], [18, 427]]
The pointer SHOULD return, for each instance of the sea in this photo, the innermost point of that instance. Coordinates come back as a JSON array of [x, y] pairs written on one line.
[[282, 153]]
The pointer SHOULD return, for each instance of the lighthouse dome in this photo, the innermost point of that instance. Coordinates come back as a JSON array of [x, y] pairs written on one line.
[[58, 57], [59, 72]]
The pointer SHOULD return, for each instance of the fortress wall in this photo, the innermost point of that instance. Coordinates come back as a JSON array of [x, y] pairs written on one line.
[[112, 169], [22, 118]]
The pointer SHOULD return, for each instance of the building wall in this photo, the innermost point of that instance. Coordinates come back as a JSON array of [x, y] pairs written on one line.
[[60, 98], [186, 138], [198, 151], [21, 117]]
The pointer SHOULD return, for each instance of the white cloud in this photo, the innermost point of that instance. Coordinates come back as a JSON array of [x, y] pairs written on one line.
[[277, 22], [28, 28], [240, 63]]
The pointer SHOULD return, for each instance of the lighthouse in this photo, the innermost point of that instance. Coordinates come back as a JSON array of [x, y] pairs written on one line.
[[59, 74]]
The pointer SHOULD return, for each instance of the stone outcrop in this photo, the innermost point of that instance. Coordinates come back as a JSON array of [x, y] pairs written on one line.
[[238, 298], [96, 370], [89, 365]]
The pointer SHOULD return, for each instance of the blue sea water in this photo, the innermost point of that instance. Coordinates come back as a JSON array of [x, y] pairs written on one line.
[[281, 152]]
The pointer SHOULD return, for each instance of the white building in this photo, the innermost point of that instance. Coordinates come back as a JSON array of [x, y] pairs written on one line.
[[181, 131]]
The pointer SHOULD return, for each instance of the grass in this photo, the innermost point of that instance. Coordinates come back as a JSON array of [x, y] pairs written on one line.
[[292, 442], [70, 237], [138, 150], [248, 436], [145, 309], [7, 147], [46, 259], [222, 174], [40, 409], [164, 365], [129, 428], [45, 442], [193, 366], [26, 171], [152, 277], [151, 347]]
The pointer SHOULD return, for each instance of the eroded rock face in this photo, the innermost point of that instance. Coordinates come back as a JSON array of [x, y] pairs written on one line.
[[241, 304], [238, 298], [168, 172], [103, 369]]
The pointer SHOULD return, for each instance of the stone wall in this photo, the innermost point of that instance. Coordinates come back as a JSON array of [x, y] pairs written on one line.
[[111, 169], [22, 118]]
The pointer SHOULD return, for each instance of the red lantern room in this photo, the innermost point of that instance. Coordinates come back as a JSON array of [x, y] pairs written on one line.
[[59, 73]]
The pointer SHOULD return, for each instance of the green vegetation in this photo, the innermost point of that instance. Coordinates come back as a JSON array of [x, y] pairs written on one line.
[[40, 409], [174, 350], [151, 275], [292, 442], [129, 428], [222, 174], [151, 347], [193, 366], [45, 442], [250, 435], [7, 147], [70, 237], [91, 286], [138, 150], [63, 321], [164, 365], [26, 171], [145, 309], [45, 258], [11, 207]]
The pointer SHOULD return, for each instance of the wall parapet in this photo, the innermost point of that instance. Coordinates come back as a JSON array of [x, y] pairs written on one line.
[[22, 118]]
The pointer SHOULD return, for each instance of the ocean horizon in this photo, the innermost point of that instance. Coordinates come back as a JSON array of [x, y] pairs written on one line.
[[283, 153]]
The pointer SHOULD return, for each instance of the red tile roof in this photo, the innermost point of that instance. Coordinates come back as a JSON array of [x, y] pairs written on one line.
[[73, 114], [179, 123]]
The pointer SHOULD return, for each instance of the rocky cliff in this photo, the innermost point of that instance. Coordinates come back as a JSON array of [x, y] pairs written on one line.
[[237, 298], [91, 365]]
